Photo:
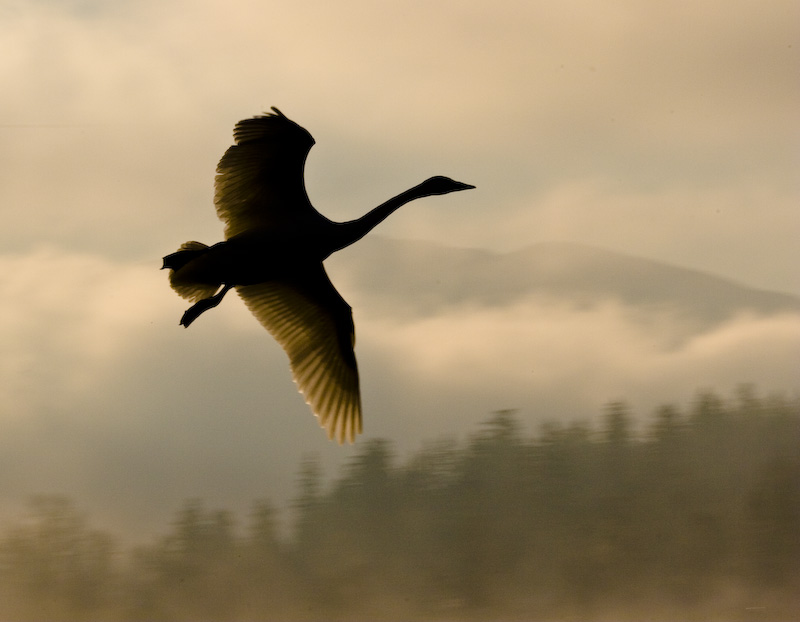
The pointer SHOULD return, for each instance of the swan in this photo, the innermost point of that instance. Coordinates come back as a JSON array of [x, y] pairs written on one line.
[[273, 253]]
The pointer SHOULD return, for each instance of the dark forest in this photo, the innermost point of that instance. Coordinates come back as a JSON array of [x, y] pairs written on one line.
[[685, 513]]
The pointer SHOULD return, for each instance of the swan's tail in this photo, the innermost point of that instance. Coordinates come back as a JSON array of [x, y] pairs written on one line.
[[187, 252], [181, 276]]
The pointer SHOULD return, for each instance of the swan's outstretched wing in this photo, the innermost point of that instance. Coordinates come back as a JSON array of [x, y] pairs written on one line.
[[260, 179], [314, 325]]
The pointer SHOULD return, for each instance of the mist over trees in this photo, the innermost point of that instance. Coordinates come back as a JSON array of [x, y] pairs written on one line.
[[694, 515]]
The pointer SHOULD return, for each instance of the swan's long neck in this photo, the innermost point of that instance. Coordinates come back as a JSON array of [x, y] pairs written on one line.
[[351, 231]]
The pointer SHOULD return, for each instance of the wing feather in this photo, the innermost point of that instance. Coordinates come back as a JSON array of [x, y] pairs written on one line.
[[259, 181], [314, 325]]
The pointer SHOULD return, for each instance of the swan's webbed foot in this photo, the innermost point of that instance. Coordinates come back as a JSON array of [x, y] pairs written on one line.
[[201, 306]]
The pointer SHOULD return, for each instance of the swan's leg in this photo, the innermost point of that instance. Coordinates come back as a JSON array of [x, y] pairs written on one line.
[[193, 312]]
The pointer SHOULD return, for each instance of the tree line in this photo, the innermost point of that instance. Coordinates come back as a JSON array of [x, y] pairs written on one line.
[[694, 516]]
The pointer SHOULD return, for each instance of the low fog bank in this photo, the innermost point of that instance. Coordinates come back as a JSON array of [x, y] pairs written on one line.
[[697, 516], [107, 400]]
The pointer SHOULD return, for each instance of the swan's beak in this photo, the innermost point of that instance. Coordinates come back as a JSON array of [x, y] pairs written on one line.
[[461, 186]]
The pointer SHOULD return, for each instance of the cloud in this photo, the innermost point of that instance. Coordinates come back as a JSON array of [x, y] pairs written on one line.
[[64, 319], [556, 360], [485, 77], [717, 229], [119, 113]]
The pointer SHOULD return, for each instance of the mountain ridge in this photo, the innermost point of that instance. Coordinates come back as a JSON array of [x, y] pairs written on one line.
[[408, 278]]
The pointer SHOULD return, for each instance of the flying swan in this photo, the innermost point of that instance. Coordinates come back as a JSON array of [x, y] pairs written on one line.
[[275, 243]]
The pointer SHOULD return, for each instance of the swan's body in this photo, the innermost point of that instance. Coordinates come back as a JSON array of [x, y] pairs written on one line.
[[275, 243]]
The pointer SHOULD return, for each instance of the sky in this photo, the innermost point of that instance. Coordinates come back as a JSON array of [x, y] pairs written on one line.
[[663, 130]]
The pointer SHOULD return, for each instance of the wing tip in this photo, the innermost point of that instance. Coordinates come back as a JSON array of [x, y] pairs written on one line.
[[338, 426], [277, 123]]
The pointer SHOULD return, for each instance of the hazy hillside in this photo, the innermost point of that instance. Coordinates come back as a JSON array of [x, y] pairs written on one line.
[[419, 278]]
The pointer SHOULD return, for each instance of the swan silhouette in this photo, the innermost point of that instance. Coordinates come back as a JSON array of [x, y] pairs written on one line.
[[275, 243]]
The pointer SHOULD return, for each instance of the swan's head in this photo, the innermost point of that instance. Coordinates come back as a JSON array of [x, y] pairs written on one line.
[[441, 185]]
